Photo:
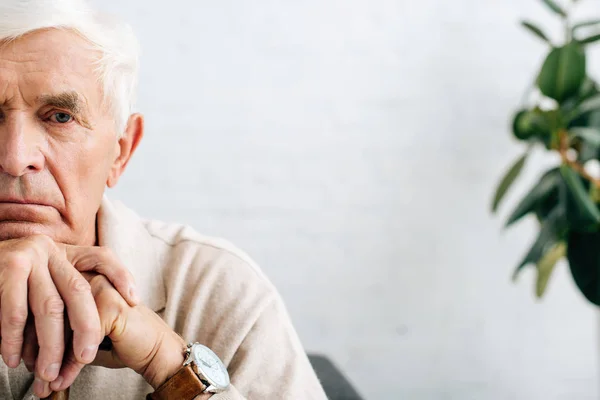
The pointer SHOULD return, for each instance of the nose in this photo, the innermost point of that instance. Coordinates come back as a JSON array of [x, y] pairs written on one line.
[[19, 148]]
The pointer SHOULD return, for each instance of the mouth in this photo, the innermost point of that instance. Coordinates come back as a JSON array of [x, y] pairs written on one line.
[[23, 202], [19, 211]]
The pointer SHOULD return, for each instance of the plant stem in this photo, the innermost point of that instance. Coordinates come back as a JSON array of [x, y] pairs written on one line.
[[567, 21], [563, 148], [568, 31]]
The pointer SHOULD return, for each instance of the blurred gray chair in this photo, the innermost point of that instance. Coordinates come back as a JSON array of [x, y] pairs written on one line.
[[336, 386]]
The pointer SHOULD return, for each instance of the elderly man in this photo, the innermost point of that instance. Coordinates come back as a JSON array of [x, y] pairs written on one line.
[[69, 257]]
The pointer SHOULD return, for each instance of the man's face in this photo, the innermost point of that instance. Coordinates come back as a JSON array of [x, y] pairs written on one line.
[[58, 144]]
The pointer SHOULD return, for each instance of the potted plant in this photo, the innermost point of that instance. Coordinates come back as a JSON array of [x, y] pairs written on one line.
[[561, 113]]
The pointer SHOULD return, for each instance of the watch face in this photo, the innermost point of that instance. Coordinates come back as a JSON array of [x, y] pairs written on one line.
[[210, 366]]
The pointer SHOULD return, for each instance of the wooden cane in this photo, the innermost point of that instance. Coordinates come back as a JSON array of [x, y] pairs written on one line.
[[62, 395]]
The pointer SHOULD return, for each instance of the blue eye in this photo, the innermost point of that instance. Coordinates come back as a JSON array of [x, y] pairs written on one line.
[[61, 118]]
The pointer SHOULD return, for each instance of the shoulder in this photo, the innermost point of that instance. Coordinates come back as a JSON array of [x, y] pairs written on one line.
[[202, 284], [215, 292], [179, 237], [192, 261], [182, 242]]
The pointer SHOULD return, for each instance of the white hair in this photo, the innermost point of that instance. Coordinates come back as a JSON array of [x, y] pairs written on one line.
[[117, 67]]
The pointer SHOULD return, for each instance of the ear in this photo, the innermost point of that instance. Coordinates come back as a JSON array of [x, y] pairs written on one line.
[[126, 147]]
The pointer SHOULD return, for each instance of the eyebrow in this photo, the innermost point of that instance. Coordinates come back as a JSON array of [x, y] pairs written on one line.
[[69, 101]]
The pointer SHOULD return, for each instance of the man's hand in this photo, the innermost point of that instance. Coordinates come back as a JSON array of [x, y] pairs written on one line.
[[141, 340], [36, 275]]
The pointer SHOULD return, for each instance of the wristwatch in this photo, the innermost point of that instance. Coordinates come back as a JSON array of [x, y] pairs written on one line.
[[202, 372]]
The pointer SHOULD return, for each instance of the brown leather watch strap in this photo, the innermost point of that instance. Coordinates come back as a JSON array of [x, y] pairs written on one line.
[[184, 385]]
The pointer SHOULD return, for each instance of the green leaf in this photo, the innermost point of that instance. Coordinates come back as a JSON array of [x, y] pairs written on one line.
[[540, 191], [594, 119], [530, 124], [589, 39], [586, 24], [555, 7], [545, 205], [509, 178], [587, 152], [550, 233], [595, 193], [576, 188], [583, 254], [588, 89], [563, 72], [578, 216], [546, 265], [521, 127], [587, 134], [591, 104], [535, 30], [588, 142], [587, 106]]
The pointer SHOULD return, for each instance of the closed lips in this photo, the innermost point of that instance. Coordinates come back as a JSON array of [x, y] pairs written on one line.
[[24, 202]]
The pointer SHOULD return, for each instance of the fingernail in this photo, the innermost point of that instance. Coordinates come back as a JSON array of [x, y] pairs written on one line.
[[39, 386], [52, 372], [88, 354], [133, 294], [13, 361], [56, 384]]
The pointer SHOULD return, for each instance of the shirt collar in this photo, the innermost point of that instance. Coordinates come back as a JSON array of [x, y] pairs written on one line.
[[124, 232]]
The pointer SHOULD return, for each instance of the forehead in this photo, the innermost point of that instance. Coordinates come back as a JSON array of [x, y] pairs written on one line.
[[46, 62]]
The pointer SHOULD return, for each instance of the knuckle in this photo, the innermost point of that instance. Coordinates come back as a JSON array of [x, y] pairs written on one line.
[[79, 285], [42, 241], [12, 342], [53, 306], [52, 349], [17, 261], [17, 317], [42, 245]]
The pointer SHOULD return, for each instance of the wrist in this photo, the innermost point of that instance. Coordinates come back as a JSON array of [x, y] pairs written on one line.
[[167, 360]]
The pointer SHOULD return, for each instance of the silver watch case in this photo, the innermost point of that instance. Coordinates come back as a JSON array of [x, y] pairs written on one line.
[[208, 367]]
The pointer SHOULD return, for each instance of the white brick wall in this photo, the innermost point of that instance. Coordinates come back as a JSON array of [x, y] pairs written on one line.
[[351, 148]]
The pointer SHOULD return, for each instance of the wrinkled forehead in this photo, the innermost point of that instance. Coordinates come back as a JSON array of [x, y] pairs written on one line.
[[46, 62]]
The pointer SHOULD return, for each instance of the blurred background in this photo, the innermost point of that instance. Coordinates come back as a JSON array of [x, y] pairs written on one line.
[[352, 149]]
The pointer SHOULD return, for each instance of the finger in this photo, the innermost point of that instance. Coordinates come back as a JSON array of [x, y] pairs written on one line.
[[68, 373], [102, 261], [81, 308], [41, 388], [48, 309], [71, 367], [30, 346], [109, 302], [14, 311]]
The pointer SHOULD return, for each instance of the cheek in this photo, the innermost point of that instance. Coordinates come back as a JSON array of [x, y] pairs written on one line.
[[81, 170]]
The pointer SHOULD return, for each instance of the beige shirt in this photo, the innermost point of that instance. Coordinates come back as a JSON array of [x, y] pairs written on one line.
[[209, 292]]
